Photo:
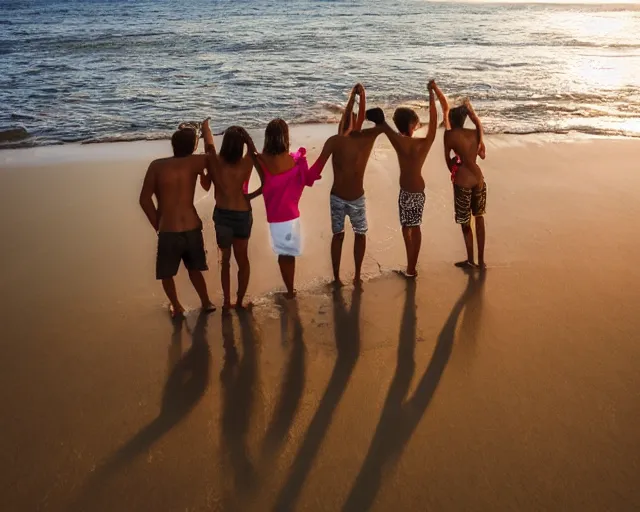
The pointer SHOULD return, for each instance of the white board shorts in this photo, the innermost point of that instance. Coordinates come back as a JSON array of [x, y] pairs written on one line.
[[285, 238]]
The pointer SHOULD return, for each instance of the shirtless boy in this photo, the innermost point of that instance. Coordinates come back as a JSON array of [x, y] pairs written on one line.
[[469, 188], [229, 170], [412, 153], [175, 220], [350, 151]]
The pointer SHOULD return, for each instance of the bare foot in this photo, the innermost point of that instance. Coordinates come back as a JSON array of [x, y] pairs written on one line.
[[407, 274], [337, 283], [227, 307], [290, 296], [208, 307], [465, 264], [357, 283], [482, 266], [247, 306], [176, 312]]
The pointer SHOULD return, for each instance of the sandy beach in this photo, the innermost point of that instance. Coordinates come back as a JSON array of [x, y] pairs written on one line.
[[515, 390]]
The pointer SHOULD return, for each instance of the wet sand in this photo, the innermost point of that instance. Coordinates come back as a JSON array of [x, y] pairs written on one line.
[[516, 390]]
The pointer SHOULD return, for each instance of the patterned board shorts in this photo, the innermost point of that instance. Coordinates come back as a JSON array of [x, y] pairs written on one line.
[[469, 201], [411, 206], [355, 210]]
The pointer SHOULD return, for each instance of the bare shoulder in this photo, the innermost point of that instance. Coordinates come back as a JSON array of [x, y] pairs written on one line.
[[198, 162], [334, 140], [367, 133]]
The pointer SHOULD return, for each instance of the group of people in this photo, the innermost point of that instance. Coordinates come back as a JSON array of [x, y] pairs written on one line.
[[283, 178]]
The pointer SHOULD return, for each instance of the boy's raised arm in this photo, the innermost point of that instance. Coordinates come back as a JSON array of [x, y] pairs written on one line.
[[444, 104], [362, 106], [433, 117], [209, 145], [479, 130], [345, 122]]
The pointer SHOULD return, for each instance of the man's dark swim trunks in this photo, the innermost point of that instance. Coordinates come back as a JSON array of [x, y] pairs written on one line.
[[173, 247], [231, 224]]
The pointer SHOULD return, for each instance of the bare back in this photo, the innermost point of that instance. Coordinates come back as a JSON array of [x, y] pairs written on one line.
[[350, 156], [464, 142], [412, 154], [174, 187], [278, 164], [228, 180]]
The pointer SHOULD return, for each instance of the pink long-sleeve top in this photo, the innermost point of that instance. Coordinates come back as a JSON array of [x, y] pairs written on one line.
[[282, 191]]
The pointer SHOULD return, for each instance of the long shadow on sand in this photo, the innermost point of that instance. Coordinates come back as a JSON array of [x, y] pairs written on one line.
[[293, 381], [238, 377], [347, 337], [185, 386], [401, 415]]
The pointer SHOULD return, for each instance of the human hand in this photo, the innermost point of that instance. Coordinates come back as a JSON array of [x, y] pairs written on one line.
[[482, 150], [431, 85]]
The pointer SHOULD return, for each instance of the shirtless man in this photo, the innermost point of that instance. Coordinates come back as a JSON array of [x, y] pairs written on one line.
[[469, 188], [229, 171], [175, 220], [412, 153], [351, 151]]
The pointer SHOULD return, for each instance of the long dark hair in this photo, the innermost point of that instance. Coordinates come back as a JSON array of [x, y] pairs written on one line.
[[232, 149], [458, 115], [276, 138]]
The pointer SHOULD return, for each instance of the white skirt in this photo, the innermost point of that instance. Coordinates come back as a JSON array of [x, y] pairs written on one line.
[[285, 237]]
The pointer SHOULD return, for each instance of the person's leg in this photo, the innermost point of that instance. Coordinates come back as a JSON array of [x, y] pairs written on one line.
[[418, 201], [480, 235], [462, 202], [225, 277], [358, 217], [467, 234], [170, 247], [240, 252], [198, 282], [479, 208], [416, 242], [169, 286], [288, 271], [406, 231], [195, 259], [408, 244], [336, 255], [338, 212], [359, 248]]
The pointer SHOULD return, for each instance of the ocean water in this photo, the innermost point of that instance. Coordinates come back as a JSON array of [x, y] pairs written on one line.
[[100, 70]]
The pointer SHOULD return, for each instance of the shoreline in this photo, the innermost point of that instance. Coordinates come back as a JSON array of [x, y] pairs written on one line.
[[569, 135], [153, 148]]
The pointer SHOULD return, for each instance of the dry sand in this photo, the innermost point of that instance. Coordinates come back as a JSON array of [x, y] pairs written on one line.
[[516, 391]]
